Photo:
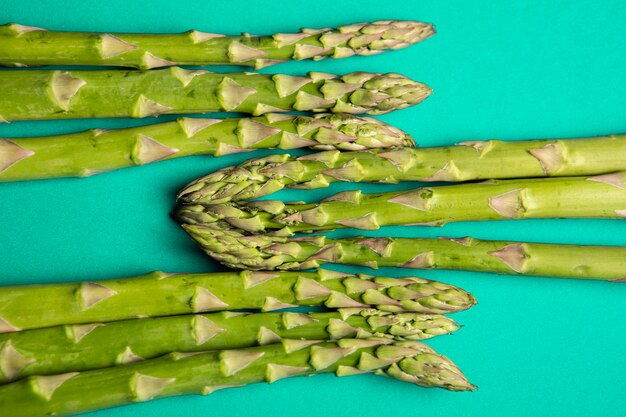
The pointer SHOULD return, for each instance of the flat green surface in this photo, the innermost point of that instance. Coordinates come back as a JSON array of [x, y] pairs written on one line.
[[508, 70]]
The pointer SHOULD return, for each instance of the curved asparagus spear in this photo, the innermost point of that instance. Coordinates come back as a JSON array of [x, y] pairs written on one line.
[[26, 45], [161, 294], [71, 348], [517, 258], [463, 162], [179, 374], [96, 151], [40, 94], [601, 196]]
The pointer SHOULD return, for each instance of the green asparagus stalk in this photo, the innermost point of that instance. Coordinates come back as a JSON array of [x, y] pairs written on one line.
[[178, 374], [602, 196], [41, 94], [71, 348], [161, 294], [97, 151], [516, 258], [463, 162], [22, 46]]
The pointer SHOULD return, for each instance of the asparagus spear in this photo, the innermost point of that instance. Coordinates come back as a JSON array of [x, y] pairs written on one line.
[[96, 151], [463, 162], [236, 250], [41, 94], [26, 45], [161, 294], [71, 348], [178, 374], [602, 196]]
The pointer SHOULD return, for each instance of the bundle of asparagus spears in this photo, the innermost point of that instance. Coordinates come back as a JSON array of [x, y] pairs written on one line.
[[86, 346], [91, 345], [582, 178], [46, 94]]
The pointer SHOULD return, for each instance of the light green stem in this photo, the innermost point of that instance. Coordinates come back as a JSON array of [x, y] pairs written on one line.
[[602, 196], [179, 374], [466, 161], [26, 46], [162, 294], [517, 258], [97, 151], [41, 94], [71, 348]]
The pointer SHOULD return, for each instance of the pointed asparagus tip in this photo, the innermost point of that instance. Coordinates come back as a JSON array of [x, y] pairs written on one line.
[[382, 93], [192, 214], [196, 233], [405, 32], [187, 193], [375, 37], [241, 182], [365, 132], [434, 370]]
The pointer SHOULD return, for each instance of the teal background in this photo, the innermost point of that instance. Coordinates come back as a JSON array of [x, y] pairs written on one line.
[[509, 70]]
